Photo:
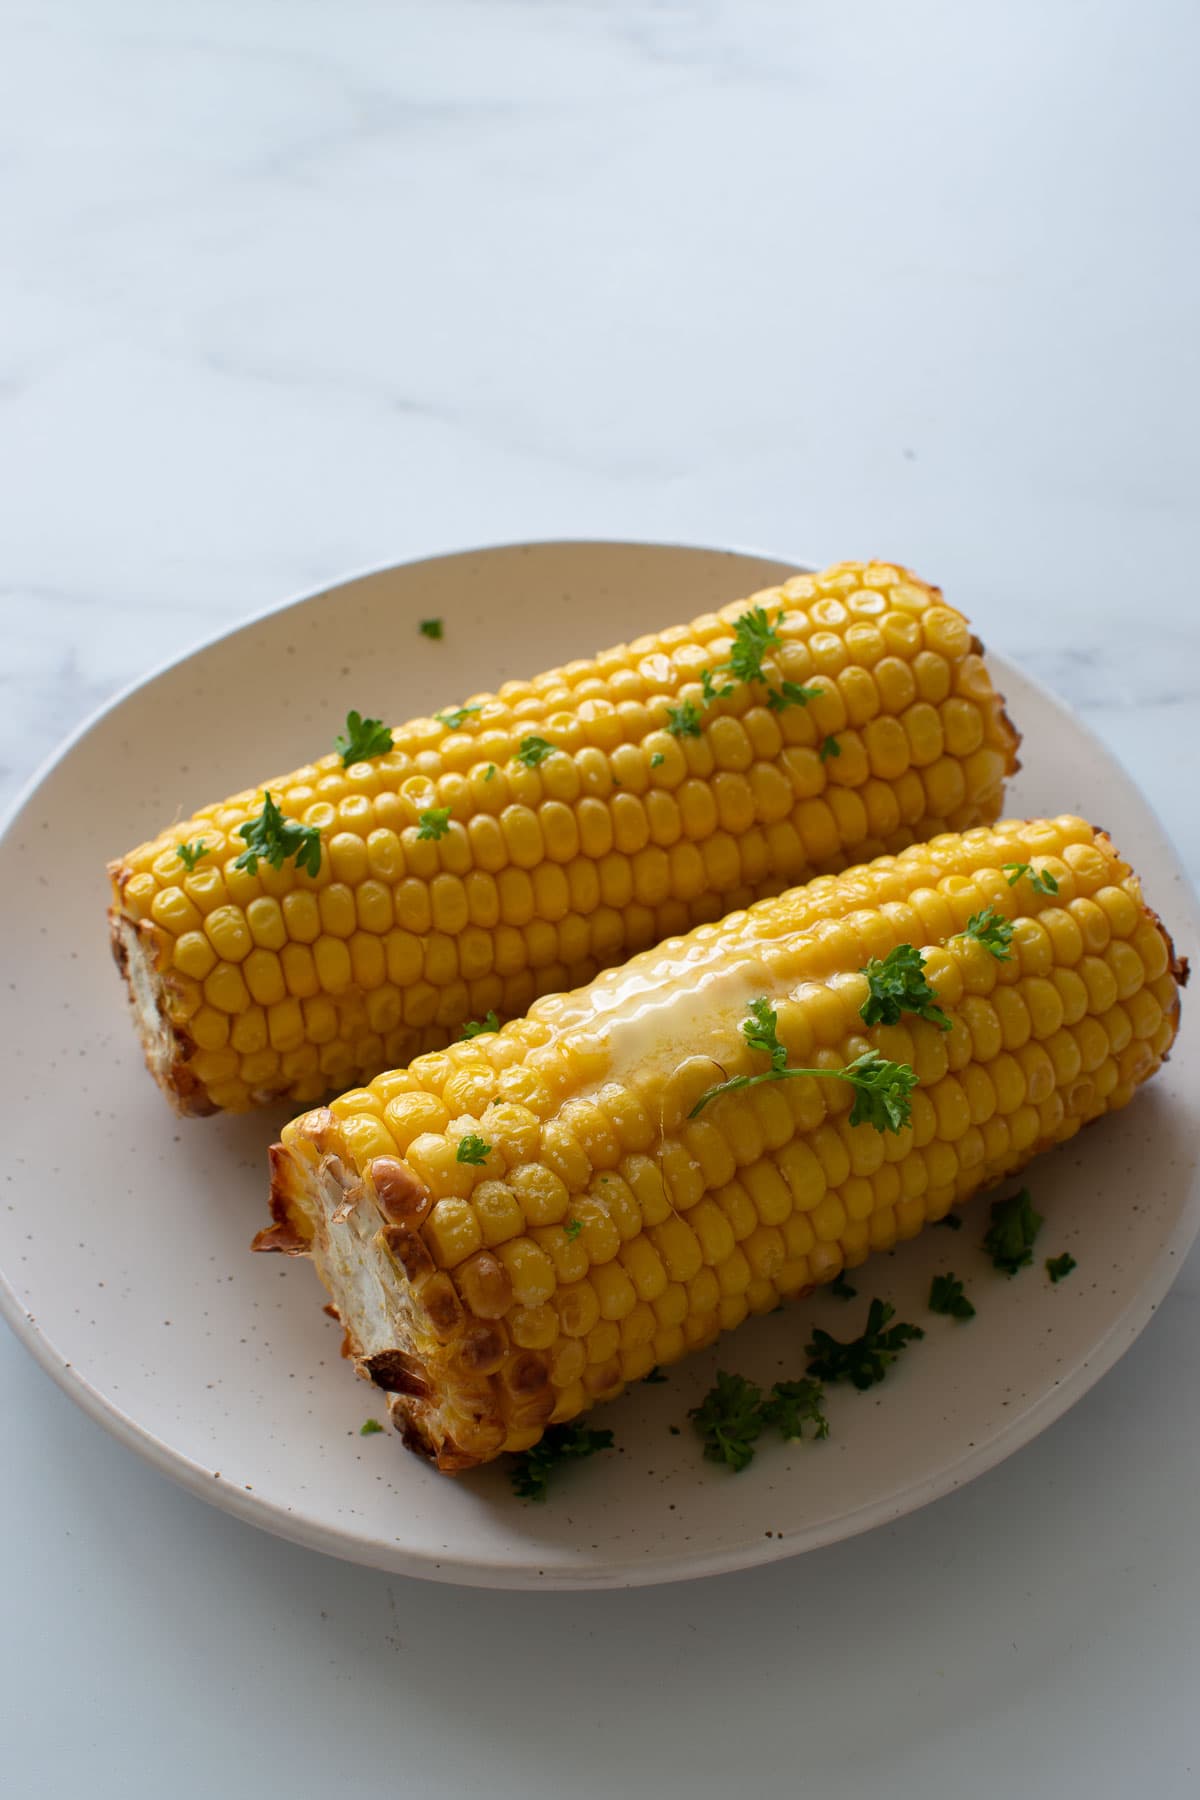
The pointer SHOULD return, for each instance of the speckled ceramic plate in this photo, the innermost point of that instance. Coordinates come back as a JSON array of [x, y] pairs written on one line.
[[124, 1232]]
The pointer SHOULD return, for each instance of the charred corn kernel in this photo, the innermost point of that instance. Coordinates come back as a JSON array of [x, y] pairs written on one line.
[[574, 1257], [594, 853]]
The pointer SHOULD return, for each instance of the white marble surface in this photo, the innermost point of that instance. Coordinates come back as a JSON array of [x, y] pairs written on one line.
[[293, 290]]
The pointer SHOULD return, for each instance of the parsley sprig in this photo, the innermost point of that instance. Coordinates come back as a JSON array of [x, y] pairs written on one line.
[[456, 717], [557, 1445], [473, 1149], [991, 929], [433, 823], [898, 985], [278, 840], [480, 1027], [190, 854], [572, 1229], [881, 1088], [829, 748], [534, 750], [1012, 1233], [946, 1295], [863, 1360], [734, 1414], [684, 720], [754, 636], [1040, 880], [364, 739]]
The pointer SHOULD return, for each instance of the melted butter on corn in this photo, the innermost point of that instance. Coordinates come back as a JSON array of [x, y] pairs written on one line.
[[504, 1322]]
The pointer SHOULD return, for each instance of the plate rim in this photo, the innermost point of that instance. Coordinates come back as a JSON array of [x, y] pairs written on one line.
[[1121, 1332]]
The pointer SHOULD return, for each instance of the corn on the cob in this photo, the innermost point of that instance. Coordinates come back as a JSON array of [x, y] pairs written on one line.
[[600, 1224], [678, 792]]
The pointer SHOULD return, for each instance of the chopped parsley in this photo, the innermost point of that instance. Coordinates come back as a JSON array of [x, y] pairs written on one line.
[[473, 1149], [753, 636], [430, 628], [190, 854], [898, 985], [712, 693], [684, 720], [480, 1027], [369, 1428], [733, 1415], [655, 1377], [433, 823], [863, 1360], [1041, 881], [276, 840], [829, 748], [364, 739], [1011, 1235], [791, 1405], [951, 1222], [657, 759], [946, 1296], [992, 930], [558, 1444], [790, 693], [1059, 1267], [572, 1229], [841, 1287], [881, 1088], [534, 750], [456, 717], [489, 772]]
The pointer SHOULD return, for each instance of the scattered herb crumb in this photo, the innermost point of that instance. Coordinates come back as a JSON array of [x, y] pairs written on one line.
[[1059, 1267], [863, 1360], [430, 628], [455, 718], [534, 750], [558, 1444], [946, 1296], [480, 1027], [572, 1229], [829, 748], [1011, 1235], [657, 760], [655, 1376], [684, 720], [1041, 881], [841, 1287], [951, 1222], [369, 1428]]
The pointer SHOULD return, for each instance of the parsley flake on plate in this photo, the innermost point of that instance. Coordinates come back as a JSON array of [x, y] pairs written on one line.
[[1059, 1267], [369, 1428], [1011, 1235], [558, 1444], [946, 1296], [863, 1360], [430, 628]]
